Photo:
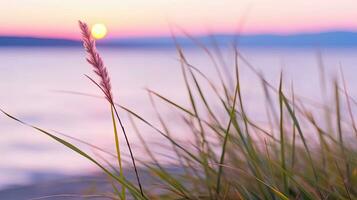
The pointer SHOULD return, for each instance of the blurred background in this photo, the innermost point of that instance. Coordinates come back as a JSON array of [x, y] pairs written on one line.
[[42, 64]]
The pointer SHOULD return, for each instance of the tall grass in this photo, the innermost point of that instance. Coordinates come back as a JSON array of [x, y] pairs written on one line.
[[105, 86], [236, 157]]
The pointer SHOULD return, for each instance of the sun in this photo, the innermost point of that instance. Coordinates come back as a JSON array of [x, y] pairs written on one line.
[[99, 31]]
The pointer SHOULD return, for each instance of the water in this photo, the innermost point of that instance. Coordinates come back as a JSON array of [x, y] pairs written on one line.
[[31, 81]]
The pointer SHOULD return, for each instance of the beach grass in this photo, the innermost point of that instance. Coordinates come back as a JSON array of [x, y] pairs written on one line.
[[235, 157]]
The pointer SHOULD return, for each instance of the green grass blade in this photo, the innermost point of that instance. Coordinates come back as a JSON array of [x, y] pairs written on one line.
[[223, 151], [282, 138], [161, 133], [297, 124], [117, 147], [339, 131], [132, 189], [171, 181]]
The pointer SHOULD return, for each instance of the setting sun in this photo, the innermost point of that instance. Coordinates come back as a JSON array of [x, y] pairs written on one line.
[[99, 31]]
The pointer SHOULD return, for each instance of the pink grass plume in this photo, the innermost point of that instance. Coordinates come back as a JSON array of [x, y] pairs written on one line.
[[96, 61]]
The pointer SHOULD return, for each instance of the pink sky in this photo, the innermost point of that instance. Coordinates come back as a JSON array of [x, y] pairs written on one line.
[[58, 18]]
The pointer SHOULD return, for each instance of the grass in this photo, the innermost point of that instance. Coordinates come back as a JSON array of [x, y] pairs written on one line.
[[235, 157]]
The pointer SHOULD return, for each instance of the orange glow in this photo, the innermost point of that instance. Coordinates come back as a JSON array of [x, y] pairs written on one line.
[[58, 18]]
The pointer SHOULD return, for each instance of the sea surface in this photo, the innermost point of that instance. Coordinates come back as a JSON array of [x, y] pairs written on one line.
[[46, 87]]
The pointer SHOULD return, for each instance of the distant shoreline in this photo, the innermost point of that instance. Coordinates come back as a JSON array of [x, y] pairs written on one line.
[[324, 39]]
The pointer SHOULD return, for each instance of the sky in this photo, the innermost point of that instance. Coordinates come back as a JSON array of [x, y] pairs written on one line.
[[132, 18]]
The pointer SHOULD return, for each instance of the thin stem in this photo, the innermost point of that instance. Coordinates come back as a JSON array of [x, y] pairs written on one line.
[[129, 147], [118, 152]]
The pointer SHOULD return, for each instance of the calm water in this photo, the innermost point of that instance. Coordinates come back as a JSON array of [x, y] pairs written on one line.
[[31, 80]]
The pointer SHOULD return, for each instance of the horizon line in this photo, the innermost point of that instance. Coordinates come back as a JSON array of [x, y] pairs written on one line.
[[183, 35], [327, 38]]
